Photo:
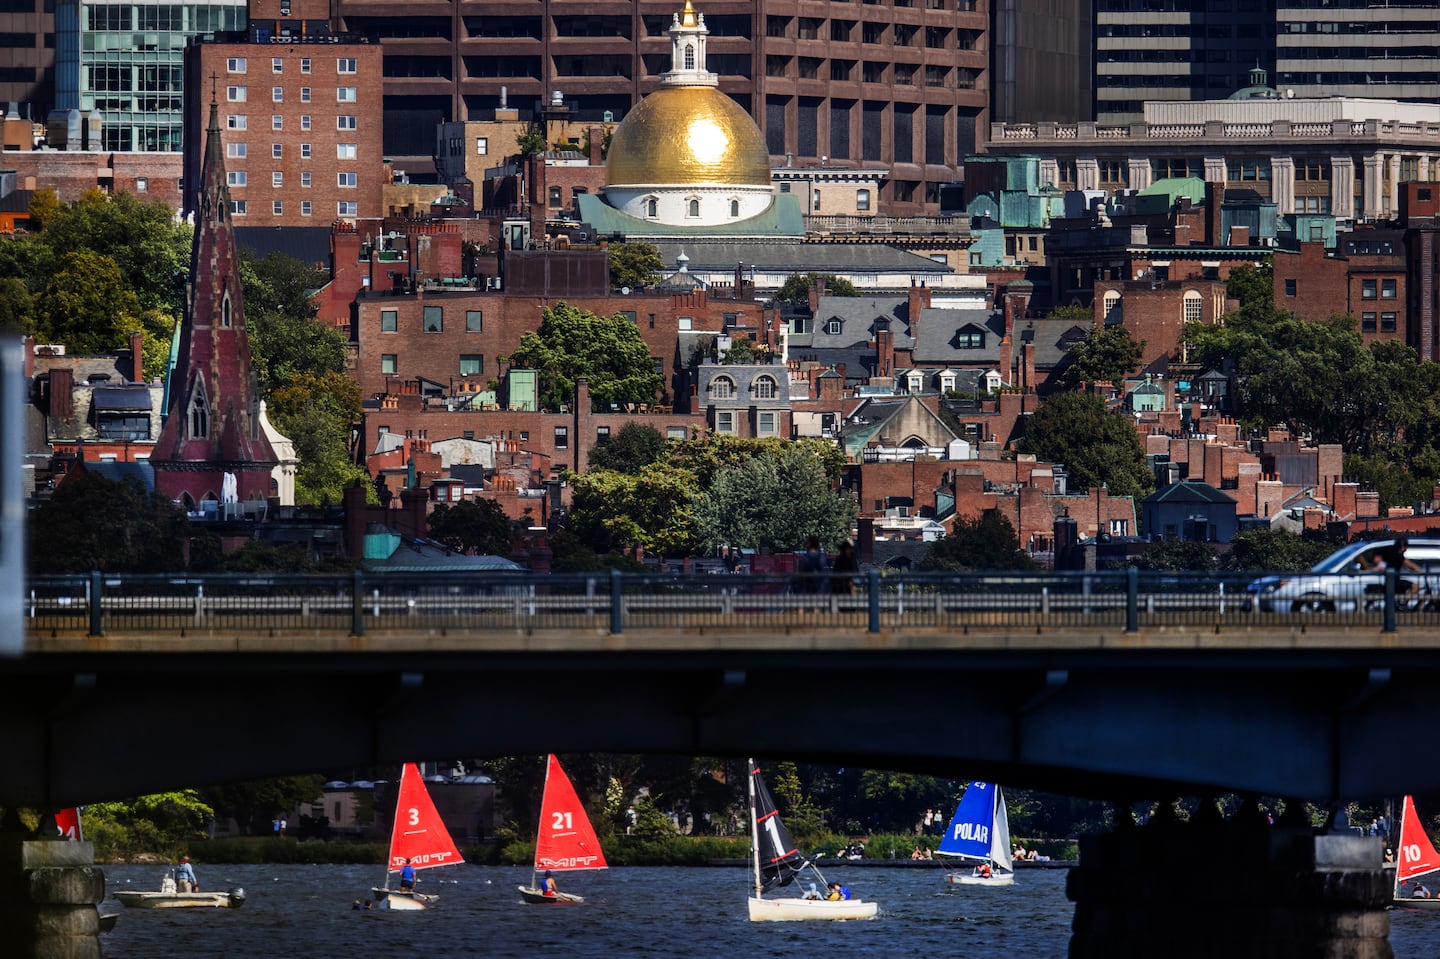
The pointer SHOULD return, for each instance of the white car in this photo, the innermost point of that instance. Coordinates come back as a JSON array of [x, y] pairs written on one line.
[[1348, 580]]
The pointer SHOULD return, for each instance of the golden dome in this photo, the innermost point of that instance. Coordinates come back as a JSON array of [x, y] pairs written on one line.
[[687, 135]]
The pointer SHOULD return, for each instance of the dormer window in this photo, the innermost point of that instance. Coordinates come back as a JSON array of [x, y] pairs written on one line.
[[765, 388], [832, 327], [969, 339], [722, 388]]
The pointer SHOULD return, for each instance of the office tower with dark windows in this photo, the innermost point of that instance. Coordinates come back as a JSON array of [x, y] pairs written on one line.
[[899, 83], [1359, 48], [1177, 50]]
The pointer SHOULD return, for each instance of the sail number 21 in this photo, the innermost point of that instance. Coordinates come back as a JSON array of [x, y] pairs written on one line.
[[560, 821]]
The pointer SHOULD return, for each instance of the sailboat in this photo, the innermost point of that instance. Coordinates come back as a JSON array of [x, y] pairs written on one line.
[[565, 841], [979, 832], [1416, 857], [418, 837], [777, 863]]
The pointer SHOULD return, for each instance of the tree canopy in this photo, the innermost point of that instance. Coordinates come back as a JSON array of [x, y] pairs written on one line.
[[473, 527], [1107, 354], [316, 412], [1096, 446], [572, 343], [634, 264], [774, 501], [988, 541], [630, 450], [796, 288], [91, 522]]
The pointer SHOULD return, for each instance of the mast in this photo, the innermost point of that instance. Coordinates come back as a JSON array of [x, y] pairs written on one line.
[[395, 824], [754, 826], [544, 794]]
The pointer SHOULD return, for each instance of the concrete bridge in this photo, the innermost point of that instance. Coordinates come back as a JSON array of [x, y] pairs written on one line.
[[1111, 685], [1114, 685]]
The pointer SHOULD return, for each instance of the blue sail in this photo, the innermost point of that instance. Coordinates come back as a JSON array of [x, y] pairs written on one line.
[[971, 829]]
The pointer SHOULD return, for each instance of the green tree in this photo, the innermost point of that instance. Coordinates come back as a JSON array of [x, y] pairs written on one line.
[[1096, 446], [44, 208], [630, 450], [985, 542], [150, 250], [796, 288], [635, 265], [254, 805], [652, 509], [1276, 550], [572, 343], [1106, 355], [744, 350], [86, 306], [473, 527], [316, 413], [530, 141], [1175, 555], [774, 501], [285, 338], [17, 306], [91, 522], [162, 823], [708, 455], [157, 328]]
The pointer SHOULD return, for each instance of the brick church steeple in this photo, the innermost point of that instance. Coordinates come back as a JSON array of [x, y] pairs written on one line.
[[212, 424]]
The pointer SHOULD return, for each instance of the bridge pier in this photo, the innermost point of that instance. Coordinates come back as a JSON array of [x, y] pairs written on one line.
[[1242, 889], [50, 889]]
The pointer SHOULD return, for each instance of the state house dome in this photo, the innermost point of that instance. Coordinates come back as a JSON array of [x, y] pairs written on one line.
[[688, 155], [694, 135]]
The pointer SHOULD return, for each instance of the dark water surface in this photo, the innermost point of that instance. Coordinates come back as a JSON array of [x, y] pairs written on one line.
[[305, 912]]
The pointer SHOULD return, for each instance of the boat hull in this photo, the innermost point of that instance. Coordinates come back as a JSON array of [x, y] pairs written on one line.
[[402, 901], [801, 910], [966, 879], [1427, 905], [233, 899], [531, 894]]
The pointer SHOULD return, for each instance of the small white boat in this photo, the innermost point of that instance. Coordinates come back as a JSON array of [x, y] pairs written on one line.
[[777, 863], [169, 898], [419, 838], [979, 833], [565, 841]]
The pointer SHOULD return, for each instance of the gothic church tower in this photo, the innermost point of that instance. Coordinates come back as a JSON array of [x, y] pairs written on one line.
[[212, 425]]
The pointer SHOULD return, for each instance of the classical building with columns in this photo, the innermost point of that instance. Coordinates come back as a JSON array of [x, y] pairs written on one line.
[[1341, 156]]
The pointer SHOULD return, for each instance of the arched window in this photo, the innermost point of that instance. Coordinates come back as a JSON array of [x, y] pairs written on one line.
[[225, 309], [1112, 307], [692, 207], [199, 418], [689, 56], [652, 207], [765, 387], [722, 388], [734, 207], [1193, 303]]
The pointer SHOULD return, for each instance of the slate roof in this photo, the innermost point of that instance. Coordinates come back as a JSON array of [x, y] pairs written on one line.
[[1189, 491], [308, 244], [859, 317]]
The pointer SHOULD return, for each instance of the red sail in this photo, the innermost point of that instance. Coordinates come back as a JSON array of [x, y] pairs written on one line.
[[565, 839], [419, 835], [1417, 855], [68, 822]]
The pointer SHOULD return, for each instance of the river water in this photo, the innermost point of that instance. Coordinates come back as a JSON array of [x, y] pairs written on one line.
[[304, 912]]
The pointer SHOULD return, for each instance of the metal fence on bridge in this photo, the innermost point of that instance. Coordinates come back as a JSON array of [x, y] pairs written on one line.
[[359, 603]]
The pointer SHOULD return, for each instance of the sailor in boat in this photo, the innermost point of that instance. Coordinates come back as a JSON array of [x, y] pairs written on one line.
[[185, 876], [1420, 891], [407, 877], [838, 892], [983, 870], [548, 887]]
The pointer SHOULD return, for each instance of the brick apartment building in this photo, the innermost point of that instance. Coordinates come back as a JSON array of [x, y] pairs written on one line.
[[300, 106]]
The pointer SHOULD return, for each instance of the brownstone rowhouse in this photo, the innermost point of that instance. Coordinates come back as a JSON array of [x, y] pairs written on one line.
[[299, 113]]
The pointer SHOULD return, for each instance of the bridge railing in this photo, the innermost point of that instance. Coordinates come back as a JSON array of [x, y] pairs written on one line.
[[354, 604]]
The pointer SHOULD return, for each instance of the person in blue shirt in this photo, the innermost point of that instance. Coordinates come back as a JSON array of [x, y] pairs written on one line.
[[407, 877], [185, 876], [547, 885]]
